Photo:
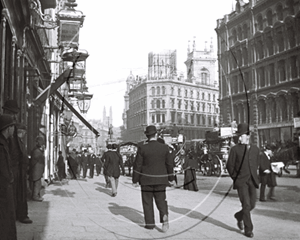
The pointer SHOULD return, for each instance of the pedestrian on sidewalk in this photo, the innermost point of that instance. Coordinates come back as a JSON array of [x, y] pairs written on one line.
[[7, 209], [242, 166], [84, 162], [19, 163], [103, 159], [113, 163], [98, 164], [267, 176], [92, 161], [79, 164], [61, 166], [153, 170], [37, 166], [190, 179]]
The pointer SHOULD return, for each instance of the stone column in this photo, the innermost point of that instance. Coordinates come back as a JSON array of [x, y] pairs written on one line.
[[3, 38]]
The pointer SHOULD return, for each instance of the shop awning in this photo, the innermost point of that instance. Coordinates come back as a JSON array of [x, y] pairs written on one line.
[[85, 122], [52, 87]]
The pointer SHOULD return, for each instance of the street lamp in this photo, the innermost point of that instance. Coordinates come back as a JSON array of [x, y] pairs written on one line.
[[84, 101]]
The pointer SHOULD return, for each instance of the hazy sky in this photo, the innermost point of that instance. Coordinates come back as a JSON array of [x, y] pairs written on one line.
[[119, 34]]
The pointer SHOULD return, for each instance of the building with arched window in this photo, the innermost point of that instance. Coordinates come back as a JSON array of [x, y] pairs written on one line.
[[166, 99], [259, 71]]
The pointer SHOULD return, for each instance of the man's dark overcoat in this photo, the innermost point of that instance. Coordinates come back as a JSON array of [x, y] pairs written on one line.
[[7, 208], [242, 164], [153, 164], [266, 178], [113, 162]]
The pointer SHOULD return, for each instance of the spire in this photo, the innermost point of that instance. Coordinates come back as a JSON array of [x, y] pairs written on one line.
[[194, 44]]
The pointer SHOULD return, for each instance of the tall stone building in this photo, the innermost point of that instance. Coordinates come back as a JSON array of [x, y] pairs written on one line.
[[258, 50], [164, 99]]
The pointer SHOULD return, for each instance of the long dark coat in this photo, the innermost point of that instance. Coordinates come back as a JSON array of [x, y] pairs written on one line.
[[242, 164], [264, 164], [7, 208], [153, 164], [190, 178], [113, 162], [37, 164]]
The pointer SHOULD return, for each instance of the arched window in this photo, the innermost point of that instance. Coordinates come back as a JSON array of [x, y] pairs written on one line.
[[179, 92], [260, 50], [269, 18], [290, 6], [234, 36], [163, 90], [209, 97], [240, 33], [185, 92], [152, 104], [203, 96], [172, 91], [157, 103], [245, 31], [259, 23], [198, 95], [272, 74], [291, 34], [192, 93], [280, 41], [163, 104], [245, 55], [270, 47], [281, 71], [158, 90], [153, 91], [279, 12]]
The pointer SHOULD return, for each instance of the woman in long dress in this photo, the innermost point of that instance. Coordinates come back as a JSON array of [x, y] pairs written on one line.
[[190, 179]]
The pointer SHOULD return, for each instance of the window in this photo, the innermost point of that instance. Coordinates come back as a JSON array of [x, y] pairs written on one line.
[[186, 118], [179, 92], [158, 118], [198, 106], [280, 41], [203, 107], [179, 118], [179, 103], [153, 91], [269, 18], [192, 105], [172, 117], [281, 71], [279, 12], [158, 90], [204, 78], [203, 96], [163, 104], [153, 118], [157, 103], [240, 33], [172, 91], [163, 118], [259, 23], [290, 4], [198, 95], [172, 103], [163, 90], [152, 104], [185, 92], [192, 93], [234, 36], [186, 105], [209, 97], [245, 31], [192, 118]]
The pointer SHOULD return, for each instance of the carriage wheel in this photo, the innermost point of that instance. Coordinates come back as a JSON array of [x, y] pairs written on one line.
[[216, 165]]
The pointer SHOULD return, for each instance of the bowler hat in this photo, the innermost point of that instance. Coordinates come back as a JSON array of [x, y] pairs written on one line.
[[150, 130], [6, 120], [243, 128], [11, 105]]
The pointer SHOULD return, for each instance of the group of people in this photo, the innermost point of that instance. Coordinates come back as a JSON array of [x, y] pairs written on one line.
[[77, 162], [19, 173]]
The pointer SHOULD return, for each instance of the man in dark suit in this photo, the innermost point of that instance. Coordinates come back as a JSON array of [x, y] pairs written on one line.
[[153, 170], [242, 166]]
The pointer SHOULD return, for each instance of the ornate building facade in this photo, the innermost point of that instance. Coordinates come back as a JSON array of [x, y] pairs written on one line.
[[259, 66], [164, 99]]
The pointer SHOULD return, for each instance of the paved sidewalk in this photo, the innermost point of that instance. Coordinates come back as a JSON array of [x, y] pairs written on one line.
[[84, 209]]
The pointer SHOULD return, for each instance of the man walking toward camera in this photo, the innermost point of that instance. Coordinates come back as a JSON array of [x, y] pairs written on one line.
[[153, 169], [242, 166]]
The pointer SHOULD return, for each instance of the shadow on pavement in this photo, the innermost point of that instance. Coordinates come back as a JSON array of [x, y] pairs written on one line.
[[278, 214], [196, 215], [60, 192], [131, 214], [102, 188]]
